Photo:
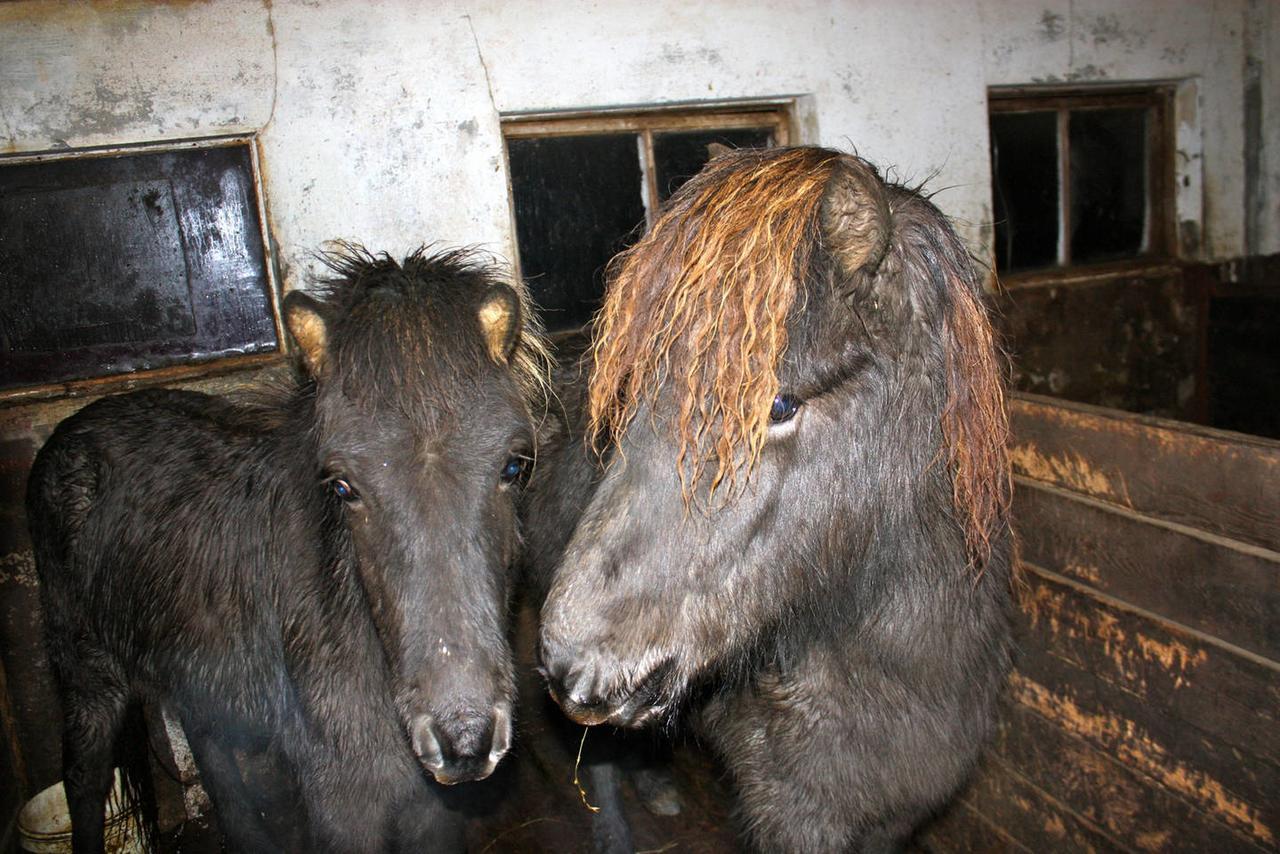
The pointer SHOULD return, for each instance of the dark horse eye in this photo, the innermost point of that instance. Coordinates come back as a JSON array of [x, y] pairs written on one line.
[[784, 408], [513, 469], [343, 490]]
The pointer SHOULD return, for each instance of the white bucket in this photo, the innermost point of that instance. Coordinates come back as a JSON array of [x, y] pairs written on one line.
[[44, 824]]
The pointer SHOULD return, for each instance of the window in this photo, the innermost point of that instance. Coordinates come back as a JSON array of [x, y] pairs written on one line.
[[584, 187], [1081, 177], [129, 260]]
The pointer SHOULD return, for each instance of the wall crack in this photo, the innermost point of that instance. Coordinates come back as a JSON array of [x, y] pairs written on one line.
[[488, 82], [275, 64]]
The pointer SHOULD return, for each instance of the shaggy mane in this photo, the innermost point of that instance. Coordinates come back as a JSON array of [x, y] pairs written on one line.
[[703, 298], [975, 425], [356, 271]]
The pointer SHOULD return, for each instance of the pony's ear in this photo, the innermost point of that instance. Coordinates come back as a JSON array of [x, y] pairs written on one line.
[[304, 315], [500, 319], [855, 216]]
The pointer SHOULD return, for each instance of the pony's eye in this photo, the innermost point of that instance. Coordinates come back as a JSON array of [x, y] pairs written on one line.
[[784, 409], [513, 469], [343, 490]]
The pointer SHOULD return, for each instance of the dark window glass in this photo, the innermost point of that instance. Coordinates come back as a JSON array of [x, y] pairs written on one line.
[[1108, 183], [116, 264], [1024, 163], [578, 202], [681, 154]]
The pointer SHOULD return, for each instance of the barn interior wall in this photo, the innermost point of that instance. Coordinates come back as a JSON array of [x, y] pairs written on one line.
[[381, 123], [1166, 343]]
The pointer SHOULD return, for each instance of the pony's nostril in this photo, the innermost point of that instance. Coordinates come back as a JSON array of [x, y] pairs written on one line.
[[583, 689], [552, 660], [568, 677], [501, 732], [426, 744], [463, 746]]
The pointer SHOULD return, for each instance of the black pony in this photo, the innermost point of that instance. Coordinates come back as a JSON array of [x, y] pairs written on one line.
[[327, 574], [783, 494]]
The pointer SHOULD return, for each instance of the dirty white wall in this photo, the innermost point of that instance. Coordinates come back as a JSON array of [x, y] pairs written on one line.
[[1263, 39], [379, 122], [1202, 45]]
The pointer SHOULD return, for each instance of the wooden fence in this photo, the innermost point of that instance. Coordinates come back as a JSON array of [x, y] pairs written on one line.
[[1144, 712]]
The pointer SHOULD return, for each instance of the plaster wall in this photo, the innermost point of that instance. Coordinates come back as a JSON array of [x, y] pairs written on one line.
[[1201, 45], [1265, 42], [380, 122]]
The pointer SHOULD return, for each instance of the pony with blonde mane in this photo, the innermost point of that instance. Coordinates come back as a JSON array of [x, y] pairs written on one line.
[[781, 500]]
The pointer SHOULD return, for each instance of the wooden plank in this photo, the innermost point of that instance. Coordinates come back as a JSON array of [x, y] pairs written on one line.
[[1184, 677], [1223, 782], [534, 126], [1217, 586], [14, 789], [1139, 350], [1213, 788], [1100, 787], [1222, 482], [33, 698], [962, 829], [167, 295], [1031, 816]]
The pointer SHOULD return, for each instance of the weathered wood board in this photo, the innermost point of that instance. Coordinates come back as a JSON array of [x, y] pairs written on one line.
[[1211, 480], [1144, 712]]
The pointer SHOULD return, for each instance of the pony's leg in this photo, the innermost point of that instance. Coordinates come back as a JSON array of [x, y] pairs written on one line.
[[426, 824], [655, 780], [94, 710], [238, 818], [610, 831], [272, 787], [376, 801]]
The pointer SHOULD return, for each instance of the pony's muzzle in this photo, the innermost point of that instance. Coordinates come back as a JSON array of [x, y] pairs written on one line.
[[592, 692], [461, 746]]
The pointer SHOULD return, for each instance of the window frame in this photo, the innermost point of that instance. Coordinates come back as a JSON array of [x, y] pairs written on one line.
[[183, 371], [778, 114], [1161, 245]]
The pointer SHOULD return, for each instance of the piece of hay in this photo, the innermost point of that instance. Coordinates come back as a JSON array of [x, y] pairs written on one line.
[[582, 793]]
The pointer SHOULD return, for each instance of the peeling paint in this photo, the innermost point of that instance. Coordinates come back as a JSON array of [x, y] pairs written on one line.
[[1106, 28], [1155, 840], [1159, 445], [677, 54], [1084, 571], [1133, 746], [1052, 26], [1087, 72], [1175, 657], [19, 568], [1127, 652], [1069, 470]]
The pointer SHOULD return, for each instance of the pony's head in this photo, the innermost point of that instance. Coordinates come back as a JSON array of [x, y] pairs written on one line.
[[424, 375], [795, 385]]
